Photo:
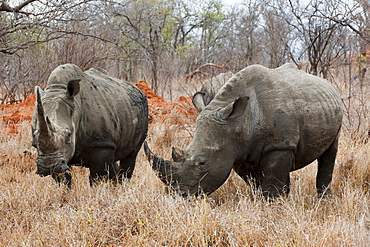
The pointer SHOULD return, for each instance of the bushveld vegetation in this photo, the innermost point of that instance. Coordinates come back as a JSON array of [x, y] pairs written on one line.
[[35, 211], [174, 45]]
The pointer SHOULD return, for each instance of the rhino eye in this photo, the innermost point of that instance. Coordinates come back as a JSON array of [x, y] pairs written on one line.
[[68, 136], [202, 163]]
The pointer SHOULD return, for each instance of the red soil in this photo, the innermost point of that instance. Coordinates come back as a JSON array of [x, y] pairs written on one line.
[[180, 112], [15, 114]]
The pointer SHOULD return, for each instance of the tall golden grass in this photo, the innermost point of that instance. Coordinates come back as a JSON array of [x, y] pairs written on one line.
[[35, 211]]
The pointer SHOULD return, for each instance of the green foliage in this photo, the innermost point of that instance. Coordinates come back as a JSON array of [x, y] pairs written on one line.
[[212, 13], [168, 25], [362, 58]]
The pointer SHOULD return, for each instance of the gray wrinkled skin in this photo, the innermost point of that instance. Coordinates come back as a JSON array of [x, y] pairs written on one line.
[[263, 123], [89, 119], [209, 90]]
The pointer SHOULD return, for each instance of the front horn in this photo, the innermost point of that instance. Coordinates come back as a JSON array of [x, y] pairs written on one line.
[[41, 120], [163, 167]]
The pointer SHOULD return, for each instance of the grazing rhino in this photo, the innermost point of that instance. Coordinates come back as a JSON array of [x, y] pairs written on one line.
[[210, 88], [89, 119], [263, 123]]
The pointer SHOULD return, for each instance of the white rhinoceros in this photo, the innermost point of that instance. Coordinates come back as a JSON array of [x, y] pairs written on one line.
[[263, 123], [89, 119]]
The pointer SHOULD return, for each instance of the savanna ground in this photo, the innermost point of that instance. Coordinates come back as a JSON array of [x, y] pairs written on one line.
[[35, 211]]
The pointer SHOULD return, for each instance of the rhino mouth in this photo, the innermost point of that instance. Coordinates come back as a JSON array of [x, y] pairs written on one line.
[[45, 170]]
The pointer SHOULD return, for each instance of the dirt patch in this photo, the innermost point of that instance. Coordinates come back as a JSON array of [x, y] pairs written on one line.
[[15, 114], [179, 112]]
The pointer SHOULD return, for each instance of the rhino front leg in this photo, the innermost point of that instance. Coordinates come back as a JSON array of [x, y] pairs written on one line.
[[65, 178], [276, 166], [325, 168], [127, 166], [102, 165], [249, 174]]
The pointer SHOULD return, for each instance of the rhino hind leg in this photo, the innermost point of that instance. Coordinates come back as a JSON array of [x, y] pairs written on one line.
[[325, 168], [276, 166]]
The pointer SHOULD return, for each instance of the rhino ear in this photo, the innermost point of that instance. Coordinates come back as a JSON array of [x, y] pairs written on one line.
[[198, 101], [178, 155], [234, 109], [73, 88]]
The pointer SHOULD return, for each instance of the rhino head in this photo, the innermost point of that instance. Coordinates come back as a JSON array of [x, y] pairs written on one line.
[[207, 161], [53, 128]]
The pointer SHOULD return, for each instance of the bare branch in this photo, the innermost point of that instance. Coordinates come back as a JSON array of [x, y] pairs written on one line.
[[199, 70], [22, 5], [6, 8], [347, 23]]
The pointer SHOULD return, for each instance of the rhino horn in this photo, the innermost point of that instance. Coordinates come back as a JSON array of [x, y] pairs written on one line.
[[41, 120], [178, 155], [163, 167], [50, 125]]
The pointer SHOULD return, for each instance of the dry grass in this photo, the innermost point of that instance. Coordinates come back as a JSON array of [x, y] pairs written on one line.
[[35, 211]]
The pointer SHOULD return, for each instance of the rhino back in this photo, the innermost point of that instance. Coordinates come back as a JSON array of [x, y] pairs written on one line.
[[289, 109], [113, 114]]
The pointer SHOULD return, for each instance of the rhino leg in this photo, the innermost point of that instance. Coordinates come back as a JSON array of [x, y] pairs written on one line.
[[65, 178], [276, 166], [127, 165], [249, 174], [103, 172], [102, 165], [325, 168]]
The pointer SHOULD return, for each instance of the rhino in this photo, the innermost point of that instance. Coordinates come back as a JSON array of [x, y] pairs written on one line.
[[263, 123], [88, 119], [210, 88]]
